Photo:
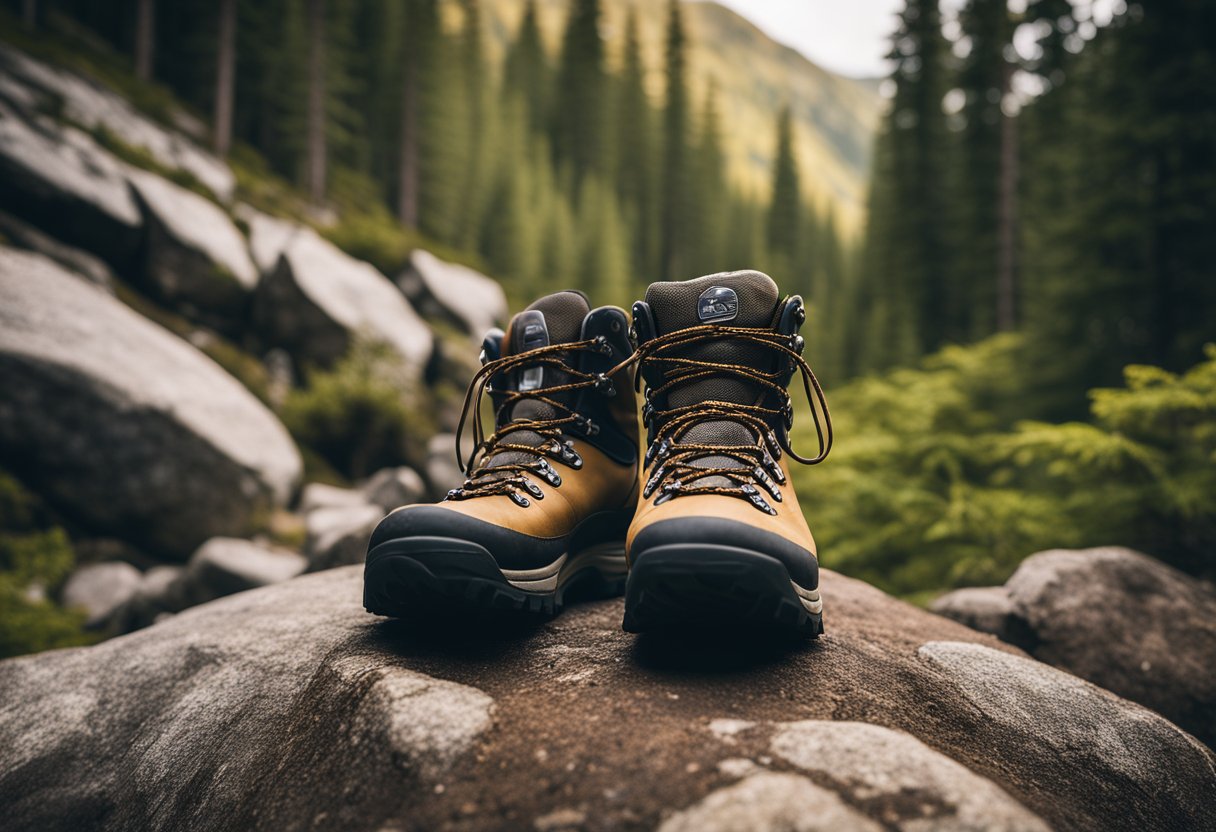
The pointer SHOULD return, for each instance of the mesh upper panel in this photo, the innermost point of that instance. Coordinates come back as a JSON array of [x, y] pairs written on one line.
[[674, 306]]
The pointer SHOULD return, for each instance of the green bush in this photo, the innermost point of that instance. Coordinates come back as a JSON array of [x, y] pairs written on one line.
[[362, 414], [35, 557], [934, 484]]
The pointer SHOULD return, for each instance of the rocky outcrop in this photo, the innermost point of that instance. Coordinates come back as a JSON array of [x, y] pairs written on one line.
[[195, 259], [1120, 619], [34, 86], [58, 177], [129, 428], [448, 291], [268, 236], [100, 589], [318, 299], [23, 235], [288, 706]]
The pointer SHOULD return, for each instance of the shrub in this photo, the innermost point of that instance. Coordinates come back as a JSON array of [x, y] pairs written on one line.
[[933, 484], [361, 415]]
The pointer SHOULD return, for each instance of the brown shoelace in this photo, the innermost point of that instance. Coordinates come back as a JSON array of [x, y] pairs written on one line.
[[675, 471], [511, 478]]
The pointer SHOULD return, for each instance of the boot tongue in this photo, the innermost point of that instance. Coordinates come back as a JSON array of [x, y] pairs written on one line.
[[742, 299], [553, 319]]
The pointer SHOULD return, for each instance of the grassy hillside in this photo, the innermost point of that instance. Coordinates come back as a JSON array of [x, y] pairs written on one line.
[[835, 116]]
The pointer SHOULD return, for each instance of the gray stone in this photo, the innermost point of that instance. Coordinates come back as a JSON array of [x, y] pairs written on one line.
[[1122, 620], [276, 701], [392, 488], [76, 261], [130, 427], [338, 536], [462, 296], [1114, 744], [226, 565], [58, 178], [921, 788], [101, 588], [770, 802], [319, 495], [268, 236], [318, 299], [159, 594], [37, 86], [282, 701], [987, 609], [442, 472], [196, 259]]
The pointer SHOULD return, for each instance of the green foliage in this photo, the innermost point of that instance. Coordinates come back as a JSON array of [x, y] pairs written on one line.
[[35, 557], [935, 484], [359, 416]]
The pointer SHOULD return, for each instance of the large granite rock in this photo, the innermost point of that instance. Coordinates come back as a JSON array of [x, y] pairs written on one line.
[[318, 299], [338, 535], [196, 260], [99, 589], [59, 178], [127, 427], [448, 291], [227, 565], [23, 235], [1120, 619], [268, 236], [289, 707], [34, 86]]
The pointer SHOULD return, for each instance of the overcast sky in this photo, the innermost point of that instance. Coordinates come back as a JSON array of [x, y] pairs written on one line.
[[847, 36]]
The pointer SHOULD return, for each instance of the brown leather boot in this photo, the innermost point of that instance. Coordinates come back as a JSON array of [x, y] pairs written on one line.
[[718, 538], [549, 493]]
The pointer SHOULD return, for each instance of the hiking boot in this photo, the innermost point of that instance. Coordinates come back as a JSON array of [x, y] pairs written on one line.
[[718, 538], [548, 495]]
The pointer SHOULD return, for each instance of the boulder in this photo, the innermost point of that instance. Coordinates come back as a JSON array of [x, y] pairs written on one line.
[[319, 495], [59, 178], [338, 536], [158, 596], [392, 488], [318, 299], [196, 260], [38, 87], [289, 707], [984, 608], [268, 236], [23, 235], [100, 588], [1120, 619], [125, 426], [448, 291], [226, 565], [442, 472]]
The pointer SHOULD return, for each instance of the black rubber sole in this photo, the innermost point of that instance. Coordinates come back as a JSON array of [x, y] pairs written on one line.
[[691, 586], [439, 577]]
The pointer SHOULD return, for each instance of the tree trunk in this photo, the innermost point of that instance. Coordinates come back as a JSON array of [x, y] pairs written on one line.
[[407, 206], [29, 13], [316, 100], [225, 76], [145, 39], [1006, 275]]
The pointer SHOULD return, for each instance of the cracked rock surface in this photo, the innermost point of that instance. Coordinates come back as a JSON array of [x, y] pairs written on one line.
[[290, 707]]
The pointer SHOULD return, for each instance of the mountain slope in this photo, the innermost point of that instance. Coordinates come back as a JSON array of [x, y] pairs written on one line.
[[835, 116]]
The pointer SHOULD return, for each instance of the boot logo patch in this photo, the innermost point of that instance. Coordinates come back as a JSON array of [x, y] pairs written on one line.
[[718, 303]]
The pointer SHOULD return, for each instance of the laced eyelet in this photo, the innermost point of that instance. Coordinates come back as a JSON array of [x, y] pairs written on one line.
[[549, 473], [570, 456], [797, 343], [602, 345], [604, 385], [533, 489], [455, 494], [519, 499]]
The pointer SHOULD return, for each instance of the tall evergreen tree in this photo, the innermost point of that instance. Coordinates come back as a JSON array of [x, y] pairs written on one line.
[[145, 38], [713, 195], [677, 170], [785, 209], [635, 145], [579, 108], [981, 245], [527, 70], [317, 153], [225, 77]]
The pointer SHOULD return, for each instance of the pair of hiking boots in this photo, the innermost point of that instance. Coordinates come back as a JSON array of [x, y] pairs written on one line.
[[703, 529]]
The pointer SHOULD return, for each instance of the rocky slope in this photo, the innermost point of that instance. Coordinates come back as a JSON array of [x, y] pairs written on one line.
[[289, 707]]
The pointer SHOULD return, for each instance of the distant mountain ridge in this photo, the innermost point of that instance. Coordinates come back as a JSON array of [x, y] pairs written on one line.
[[835, 116]]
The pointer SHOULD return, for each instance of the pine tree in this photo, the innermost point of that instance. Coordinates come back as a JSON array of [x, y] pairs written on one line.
[[709, 221], [527, 70], [145, 39], [983, 143], [784, 223], [635, 144], [225, 77], [317, 155], [677, 173], [603, 248], [579, 108]]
